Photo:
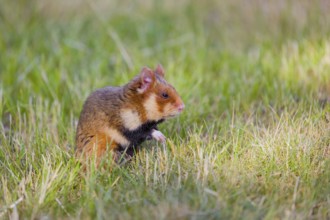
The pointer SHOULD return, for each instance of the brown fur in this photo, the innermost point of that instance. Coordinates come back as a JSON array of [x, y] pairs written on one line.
[[100, 121]]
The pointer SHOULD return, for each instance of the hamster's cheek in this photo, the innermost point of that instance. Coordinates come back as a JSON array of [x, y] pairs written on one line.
[[152, 108], [169, 110]]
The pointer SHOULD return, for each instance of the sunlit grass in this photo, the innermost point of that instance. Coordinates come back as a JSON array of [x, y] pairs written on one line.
[[253, 142]]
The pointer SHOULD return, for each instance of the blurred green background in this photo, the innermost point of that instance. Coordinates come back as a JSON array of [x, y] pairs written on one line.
[[253, 141], [63, 49]]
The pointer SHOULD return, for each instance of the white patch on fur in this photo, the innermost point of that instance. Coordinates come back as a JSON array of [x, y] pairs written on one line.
[[151, 108], [131, 119], [116, 136], [159, 136], [141, 90]]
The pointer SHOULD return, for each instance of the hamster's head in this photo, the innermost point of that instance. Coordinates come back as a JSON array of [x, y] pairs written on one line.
[[160, 99]]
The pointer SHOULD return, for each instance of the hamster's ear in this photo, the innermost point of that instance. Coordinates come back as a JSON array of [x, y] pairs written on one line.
[[160, 70], [147, 78]]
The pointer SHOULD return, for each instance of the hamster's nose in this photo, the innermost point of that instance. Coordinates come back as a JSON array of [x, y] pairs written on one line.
[[181, 107]]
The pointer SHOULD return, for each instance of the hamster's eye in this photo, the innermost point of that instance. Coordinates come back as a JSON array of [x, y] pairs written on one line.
[[164, 95]]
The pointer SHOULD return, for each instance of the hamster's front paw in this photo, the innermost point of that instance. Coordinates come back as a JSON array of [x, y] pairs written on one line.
[[157, 135]]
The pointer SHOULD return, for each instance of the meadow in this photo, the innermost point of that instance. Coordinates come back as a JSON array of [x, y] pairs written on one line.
[[252, 143]]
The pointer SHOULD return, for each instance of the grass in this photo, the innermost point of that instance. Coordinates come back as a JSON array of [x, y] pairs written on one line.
[[253, 142]]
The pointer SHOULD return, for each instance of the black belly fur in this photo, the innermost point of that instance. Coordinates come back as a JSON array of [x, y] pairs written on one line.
[[139, 135]]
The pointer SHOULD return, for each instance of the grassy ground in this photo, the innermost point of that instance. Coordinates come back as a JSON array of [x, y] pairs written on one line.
[[253, 142]]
